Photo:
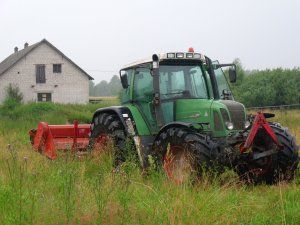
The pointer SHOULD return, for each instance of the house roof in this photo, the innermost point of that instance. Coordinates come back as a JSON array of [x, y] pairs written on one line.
[[11, 60]]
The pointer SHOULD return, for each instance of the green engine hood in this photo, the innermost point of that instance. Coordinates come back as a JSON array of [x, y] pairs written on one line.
[[193, 110]]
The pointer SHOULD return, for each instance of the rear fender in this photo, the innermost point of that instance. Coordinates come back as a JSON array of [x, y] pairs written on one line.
[[124, 115]]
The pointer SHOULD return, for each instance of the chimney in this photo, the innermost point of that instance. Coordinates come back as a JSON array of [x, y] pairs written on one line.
[[26, 45], [16, 49]]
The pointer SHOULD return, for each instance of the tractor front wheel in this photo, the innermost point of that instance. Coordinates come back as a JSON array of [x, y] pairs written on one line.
[[273, 168], [183, 154]]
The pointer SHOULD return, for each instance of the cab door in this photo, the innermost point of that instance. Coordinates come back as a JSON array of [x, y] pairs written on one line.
[[143, 96]]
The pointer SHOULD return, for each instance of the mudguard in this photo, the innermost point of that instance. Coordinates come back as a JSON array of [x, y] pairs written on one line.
[[177, 124], [124, 115]]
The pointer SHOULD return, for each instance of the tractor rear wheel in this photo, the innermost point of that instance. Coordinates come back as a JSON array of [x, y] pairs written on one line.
[[273, 168], [183, 154], [106, 128]]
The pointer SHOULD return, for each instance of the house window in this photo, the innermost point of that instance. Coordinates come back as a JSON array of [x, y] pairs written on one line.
[[44, 97], [40, 74], [56, 68]]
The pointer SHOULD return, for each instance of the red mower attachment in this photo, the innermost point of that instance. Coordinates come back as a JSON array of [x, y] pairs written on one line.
[[47, 139]]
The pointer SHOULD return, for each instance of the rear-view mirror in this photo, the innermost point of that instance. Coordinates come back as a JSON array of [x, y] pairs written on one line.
[[232, 75], [124, 80]]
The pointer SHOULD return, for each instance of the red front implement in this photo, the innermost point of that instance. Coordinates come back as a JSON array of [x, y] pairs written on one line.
[[259, 122], [47, 139]]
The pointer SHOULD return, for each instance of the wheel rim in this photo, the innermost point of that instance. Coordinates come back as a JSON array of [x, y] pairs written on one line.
[[101, 142], [177, 164], [257, 170]]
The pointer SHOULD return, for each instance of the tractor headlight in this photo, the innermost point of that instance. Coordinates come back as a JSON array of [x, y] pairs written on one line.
[[171, 55], [189, 55], [197, 56], [180, 55], [229, 125], [247, 124], [226, 119]]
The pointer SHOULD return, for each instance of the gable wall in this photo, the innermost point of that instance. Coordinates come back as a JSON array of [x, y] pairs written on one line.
[[70, 86]]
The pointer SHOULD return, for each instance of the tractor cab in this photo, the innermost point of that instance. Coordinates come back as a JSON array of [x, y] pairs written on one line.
[[181, 87]]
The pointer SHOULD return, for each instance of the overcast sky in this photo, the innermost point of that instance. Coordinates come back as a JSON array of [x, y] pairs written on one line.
[[101, 36]]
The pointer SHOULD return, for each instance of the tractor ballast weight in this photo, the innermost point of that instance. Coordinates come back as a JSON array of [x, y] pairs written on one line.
[[178, 112]]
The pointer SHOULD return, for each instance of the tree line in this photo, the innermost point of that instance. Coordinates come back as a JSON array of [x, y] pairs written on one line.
[[253, 88], [269, 87], [104, 88]]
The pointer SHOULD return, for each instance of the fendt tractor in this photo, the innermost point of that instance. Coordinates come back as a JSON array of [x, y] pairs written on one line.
[[179, 113]]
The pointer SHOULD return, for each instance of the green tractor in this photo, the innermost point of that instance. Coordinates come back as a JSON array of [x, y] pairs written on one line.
[[178, 111]]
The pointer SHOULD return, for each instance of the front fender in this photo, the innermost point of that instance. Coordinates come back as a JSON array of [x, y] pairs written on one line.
[[123, 113], [175, 124]]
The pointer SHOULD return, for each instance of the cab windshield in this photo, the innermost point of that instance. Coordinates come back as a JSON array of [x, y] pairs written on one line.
[[184, 81]]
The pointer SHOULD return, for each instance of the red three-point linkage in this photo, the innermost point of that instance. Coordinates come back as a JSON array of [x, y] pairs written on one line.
[[259, 122]]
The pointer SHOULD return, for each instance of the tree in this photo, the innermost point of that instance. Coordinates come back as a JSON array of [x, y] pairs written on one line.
[[104, 88], [92, 91], [13, 98], [115, 85], [269, 87], [13, 93]]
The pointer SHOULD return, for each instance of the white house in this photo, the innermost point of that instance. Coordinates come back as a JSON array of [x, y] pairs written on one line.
[[43, 73]]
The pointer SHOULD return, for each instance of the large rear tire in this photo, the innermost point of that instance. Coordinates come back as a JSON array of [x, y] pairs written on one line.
[[183, 154], [106, 128], [274, 168]]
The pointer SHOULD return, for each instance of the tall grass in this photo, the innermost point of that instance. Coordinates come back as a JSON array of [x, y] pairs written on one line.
[[35, 190], [39, 191]]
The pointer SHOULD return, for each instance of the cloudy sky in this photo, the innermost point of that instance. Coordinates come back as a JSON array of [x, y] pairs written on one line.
[[101, 36]]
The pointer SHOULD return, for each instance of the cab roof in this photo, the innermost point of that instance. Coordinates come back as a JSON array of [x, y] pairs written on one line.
[[168, 56]]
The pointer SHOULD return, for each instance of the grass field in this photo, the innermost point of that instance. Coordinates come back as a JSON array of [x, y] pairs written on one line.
[[34, 190]]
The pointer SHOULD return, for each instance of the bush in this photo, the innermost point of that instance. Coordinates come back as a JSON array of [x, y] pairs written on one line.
[[10, 104], [39, 108], [13, 99], [13, 93]]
